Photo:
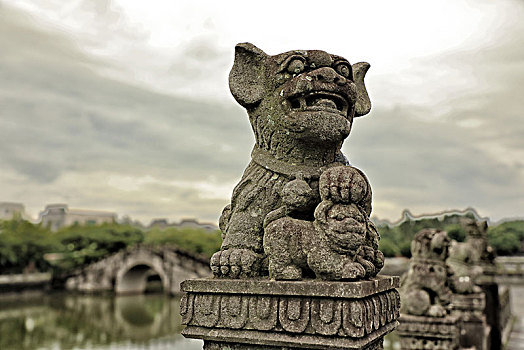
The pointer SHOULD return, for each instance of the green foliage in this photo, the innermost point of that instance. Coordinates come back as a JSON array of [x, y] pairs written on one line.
[[388, 247], [81, 245], [456, 232], [190, 239], [507, 238], [25, 246]]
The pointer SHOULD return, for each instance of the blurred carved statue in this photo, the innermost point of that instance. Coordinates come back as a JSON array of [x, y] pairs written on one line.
[[426, 286], [473, 259], [298, 185]]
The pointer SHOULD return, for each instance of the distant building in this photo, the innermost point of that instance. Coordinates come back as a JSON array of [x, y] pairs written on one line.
[[56, 216], [190, 223], [8, 210], [408, 216], [159, 223], [193, 223]]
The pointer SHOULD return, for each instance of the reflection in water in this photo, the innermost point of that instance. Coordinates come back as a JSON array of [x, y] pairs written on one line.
[[391, 341], [65, 321], [68, 321]]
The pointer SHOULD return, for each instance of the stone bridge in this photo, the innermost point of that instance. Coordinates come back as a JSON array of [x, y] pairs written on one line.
[[510, 269], [129, 271]]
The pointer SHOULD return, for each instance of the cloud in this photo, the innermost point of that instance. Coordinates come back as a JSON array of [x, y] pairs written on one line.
[[63, 120], [113, 123], [465, 150]]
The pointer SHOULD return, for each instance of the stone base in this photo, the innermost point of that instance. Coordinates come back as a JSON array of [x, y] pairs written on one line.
[[433, 333], [491, 311], [474, 331], [211, 345], [264, 314]]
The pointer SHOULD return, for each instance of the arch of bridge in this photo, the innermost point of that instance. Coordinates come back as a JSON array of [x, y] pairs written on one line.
[[132, 275]]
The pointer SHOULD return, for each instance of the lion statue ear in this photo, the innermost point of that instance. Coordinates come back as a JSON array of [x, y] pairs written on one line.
[[363, 103], [246, 76]]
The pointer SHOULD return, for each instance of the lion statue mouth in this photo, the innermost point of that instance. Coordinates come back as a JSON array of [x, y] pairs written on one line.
[[322, 101]]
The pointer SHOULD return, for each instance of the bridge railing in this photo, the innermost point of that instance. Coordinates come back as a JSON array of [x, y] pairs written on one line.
[[510, 265], [505, 316]]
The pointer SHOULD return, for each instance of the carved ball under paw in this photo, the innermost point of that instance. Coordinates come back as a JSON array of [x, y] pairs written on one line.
[[343, 184]]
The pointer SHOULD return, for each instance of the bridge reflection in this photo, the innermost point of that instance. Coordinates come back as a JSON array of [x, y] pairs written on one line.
[[62, 321]]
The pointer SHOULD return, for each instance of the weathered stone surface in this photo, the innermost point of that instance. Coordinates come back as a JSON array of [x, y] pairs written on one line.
[[474, 331], [473, 263], [426, 287], [340, 244], [505, 315], [300, 211], [426, 294], [439, 283], [315, 207], [304, 314], [308, 288], [428, 333]]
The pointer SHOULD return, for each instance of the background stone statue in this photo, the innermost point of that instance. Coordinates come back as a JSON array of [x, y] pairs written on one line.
[[301, 106], [473, 259], [426, 287]]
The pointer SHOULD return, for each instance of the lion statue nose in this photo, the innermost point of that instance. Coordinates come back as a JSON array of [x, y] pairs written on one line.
[[325, 74]]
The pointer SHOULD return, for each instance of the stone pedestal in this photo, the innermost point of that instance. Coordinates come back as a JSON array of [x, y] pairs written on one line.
[[308, 314], [505, 317], [491, 311], [433, 333], [474, 331]]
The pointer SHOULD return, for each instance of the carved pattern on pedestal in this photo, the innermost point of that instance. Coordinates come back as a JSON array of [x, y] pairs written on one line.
[[262, 312], [206, 310], [354, 318], [432, 333]]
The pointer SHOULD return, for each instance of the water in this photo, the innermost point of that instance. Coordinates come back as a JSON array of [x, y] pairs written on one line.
[[81, 322], [68, 321]]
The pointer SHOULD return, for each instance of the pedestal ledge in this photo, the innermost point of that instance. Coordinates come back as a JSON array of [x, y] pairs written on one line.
[[309, 314], [311, 288], [421, 332]]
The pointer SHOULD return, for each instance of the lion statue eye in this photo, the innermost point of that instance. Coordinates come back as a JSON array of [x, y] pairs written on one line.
[[343, 69], [296, 66]]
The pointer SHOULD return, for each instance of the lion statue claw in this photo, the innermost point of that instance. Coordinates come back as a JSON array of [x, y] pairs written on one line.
[[235, 263]]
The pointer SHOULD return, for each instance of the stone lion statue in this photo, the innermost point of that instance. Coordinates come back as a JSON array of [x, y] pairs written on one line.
[[463, 259], [301, 105], [340, 244], [426, 287], [472, 259]]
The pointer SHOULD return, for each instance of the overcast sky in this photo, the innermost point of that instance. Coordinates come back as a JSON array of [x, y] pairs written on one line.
[[123, 105]]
